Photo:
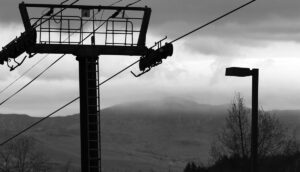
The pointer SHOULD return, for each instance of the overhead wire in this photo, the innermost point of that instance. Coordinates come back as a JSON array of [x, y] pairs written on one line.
[[37, 122], [212, 21], [22, 75], [124, 69], [58, 59], [29, 69], [53, 15], [31, 81], [63, 10], [135, 2], [62, 107], [59, 109]]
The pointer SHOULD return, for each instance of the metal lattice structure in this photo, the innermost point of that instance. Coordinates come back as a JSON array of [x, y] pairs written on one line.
[[110, 30], [86, 32], [38, 38]]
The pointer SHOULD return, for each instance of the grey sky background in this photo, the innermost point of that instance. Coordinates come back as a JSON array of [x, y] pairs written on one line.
[[264, 35]]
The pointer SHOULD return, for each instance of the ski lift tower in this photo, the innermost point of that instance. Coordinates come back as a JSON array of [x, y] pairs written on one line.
[[85, 32]]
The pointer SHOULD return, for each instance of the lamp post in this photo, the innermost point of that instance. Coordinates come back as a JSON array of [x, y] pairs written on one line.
[[243, 72]]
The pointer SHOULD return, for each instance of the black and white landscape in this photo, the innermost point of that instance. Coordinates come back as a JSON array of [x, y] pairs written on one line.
[[158, 135]]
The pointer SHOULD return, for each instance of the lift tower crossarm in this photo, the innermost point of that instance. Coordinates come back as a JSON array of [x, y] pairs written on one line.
[[99, 7], [25, 16], [113, 34], [97, 49], [27, 20]]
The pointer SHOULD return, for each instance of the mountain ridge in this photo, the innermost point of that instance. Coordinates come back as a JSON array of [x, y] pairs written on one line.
[[144, 135]]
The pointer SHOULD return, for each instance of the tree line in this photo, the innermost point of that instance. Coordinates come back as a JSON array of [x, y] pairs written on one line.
[[231, 150], [24, 154]]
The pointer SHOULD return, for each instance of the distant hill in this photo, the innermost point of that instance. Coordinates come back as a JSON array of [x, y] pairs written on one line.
[[148, 136]]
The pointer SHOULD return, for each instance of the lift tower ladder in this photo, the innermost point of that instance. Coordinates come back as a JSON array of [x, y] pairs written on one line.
[[86, 32], [90, 106]]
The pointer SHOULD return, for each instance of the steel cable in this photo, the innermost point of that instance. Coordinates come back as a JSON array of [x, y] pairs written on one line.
[[121, 71]]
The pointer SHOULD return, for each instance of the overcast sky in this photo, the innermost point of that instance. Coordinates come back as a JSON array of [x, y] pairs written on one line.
[[264, 35]]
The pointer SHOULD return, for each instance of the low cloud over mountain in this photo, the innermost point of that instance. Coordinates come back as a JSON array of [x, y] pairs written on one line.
[[147, 135]]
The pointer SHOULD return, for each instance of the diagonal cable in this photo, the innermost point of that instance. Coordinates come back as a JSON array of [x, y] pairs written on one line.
[[213, 21], [31, 80], [23, 74], [53, 15], [10, 84], [26, 85], [121, 71]]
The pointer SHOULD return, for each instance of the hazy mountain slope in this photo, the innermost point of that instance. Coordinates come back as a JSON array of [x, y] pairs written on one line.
[[151, 135], [166, 132]]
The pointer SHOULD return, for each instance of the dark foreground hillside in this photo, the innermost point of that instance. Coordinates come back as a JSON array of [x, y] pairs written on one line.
[[149, 136]]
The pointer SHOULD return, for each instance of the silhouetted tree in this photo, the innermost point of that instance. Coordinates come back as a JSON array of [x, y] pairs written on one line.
[[278, 152], [21, 155], [235, 137], [6, 156]]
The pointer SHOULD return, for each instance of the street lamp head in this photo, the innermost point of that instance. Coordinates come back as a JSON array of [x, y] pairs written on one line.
[[238, 71]]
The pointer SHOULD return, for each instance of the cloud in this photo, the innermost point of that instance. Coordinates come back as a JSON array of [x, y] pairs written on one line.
[[41, 97], [64, 69], [9, 9], [212, 46], [262, 35], [262, 20]]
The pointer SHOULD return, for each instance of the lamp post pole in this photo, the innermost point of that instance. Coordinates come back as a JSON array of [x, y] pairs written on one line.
[[254, 129], [244, 72]]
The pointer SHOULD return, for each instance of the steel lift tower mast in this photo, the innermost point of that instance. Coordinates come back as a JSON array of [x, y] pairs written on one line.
[[85, 32]]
